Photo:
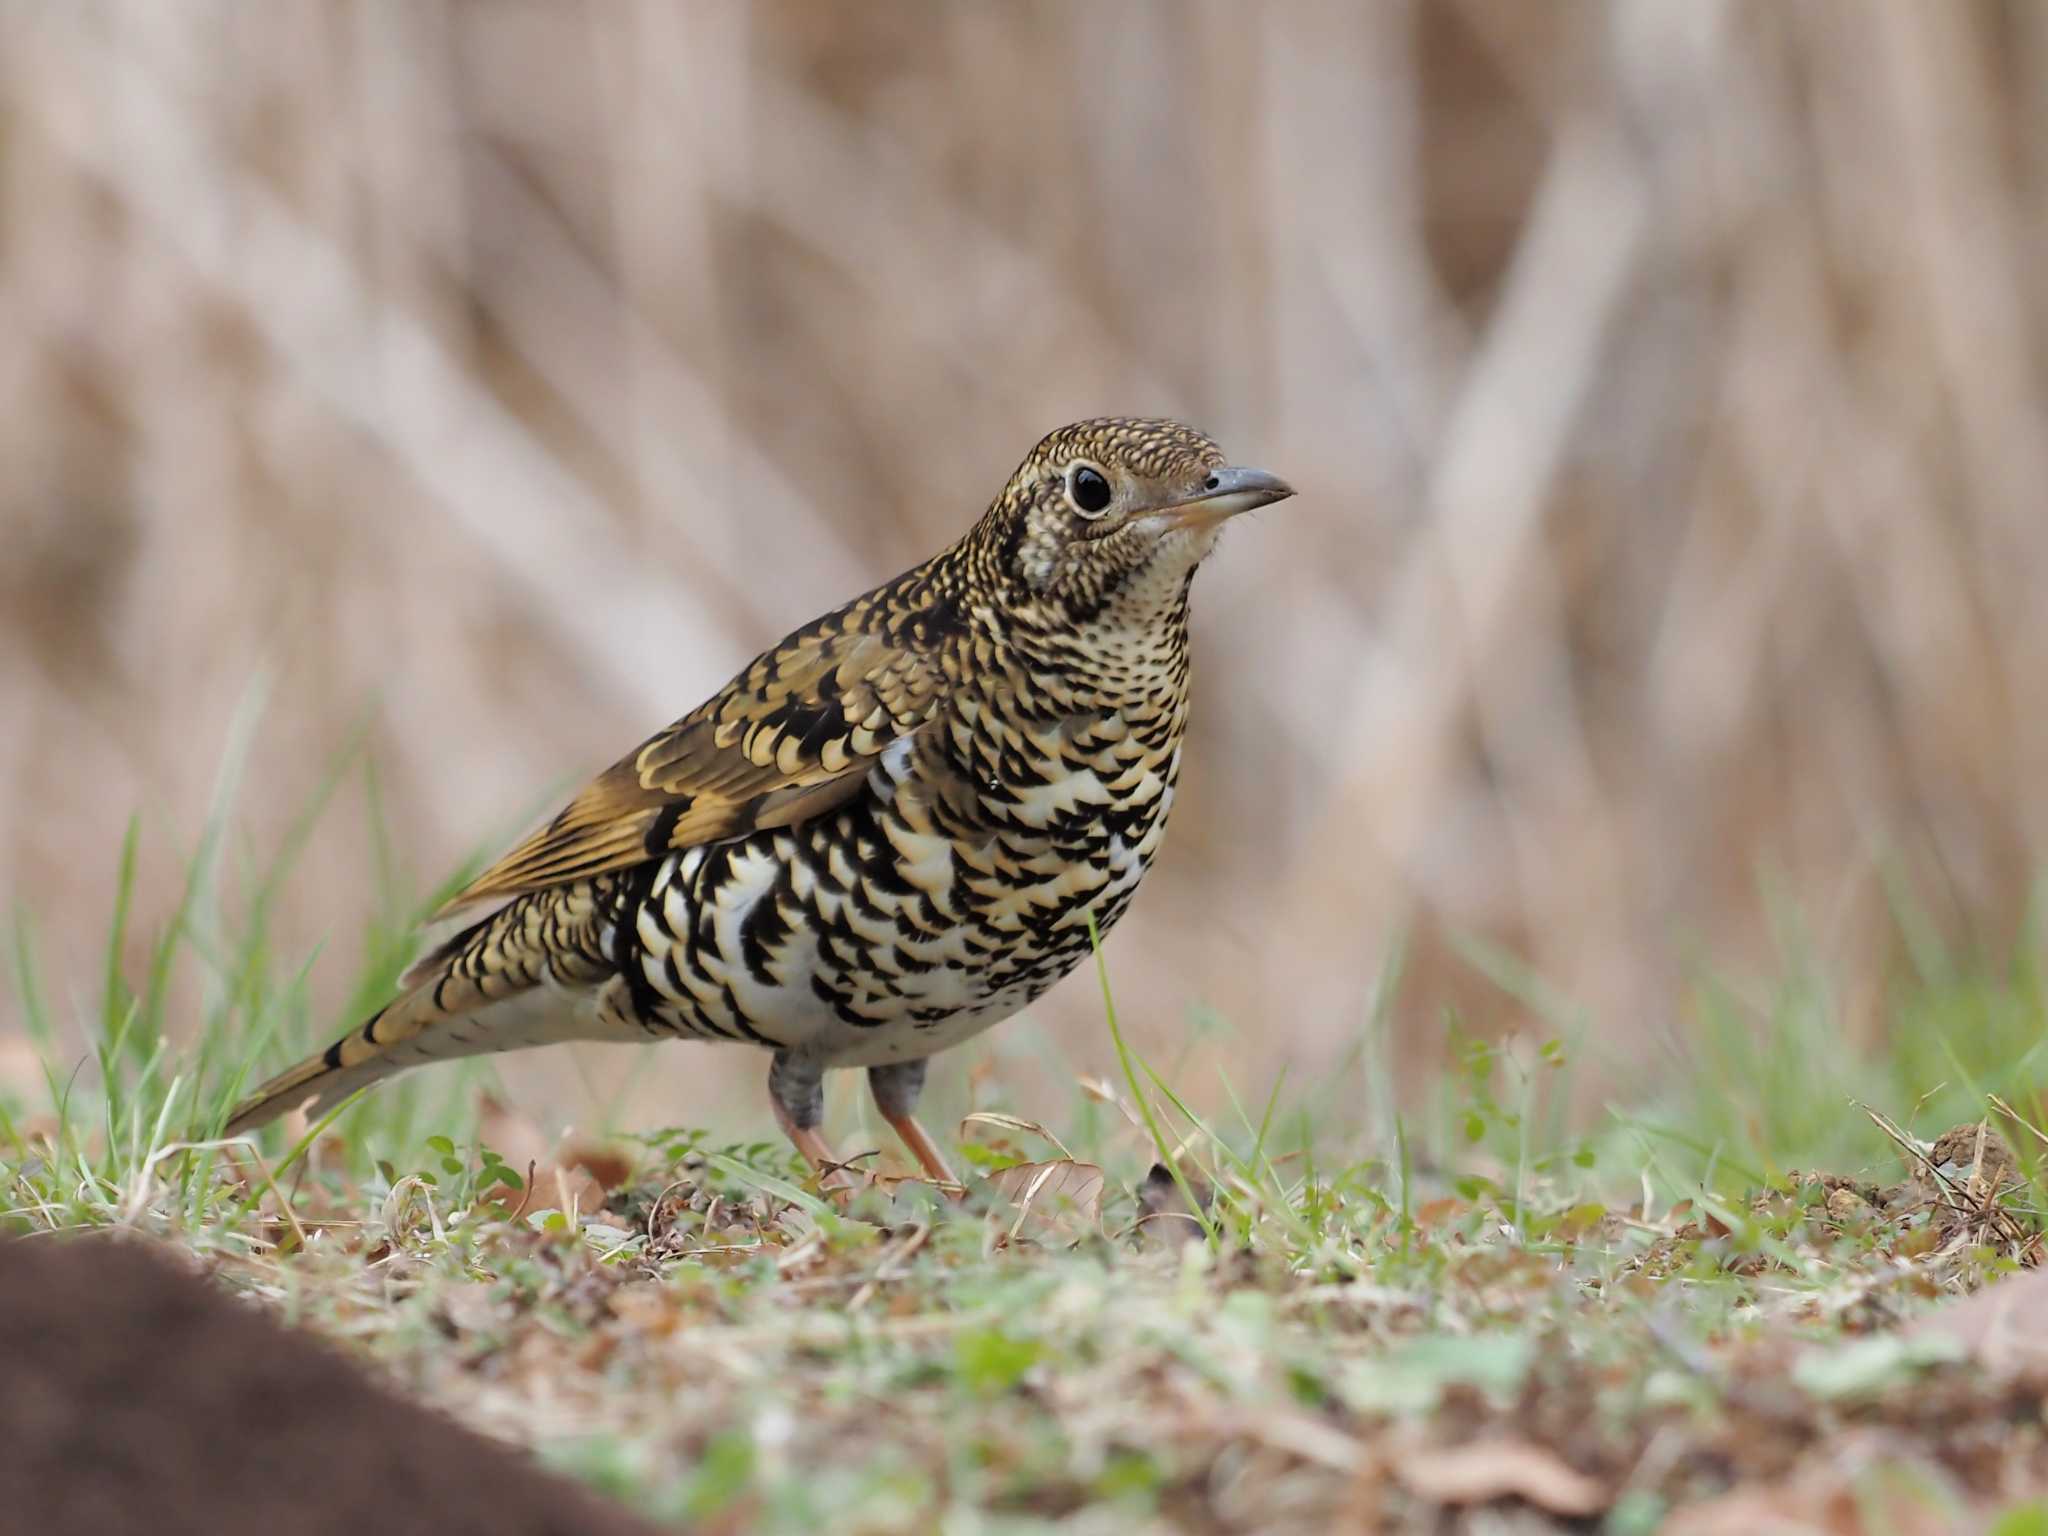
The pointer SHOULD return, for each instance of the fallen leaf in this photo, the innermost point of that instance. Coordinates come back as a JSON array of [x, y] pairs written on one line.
[[2004, 1326], [1858, 1484], [1747, 1512], [474, 1308], [1059, 1201], [1437, 1213], [548, 1187], [571, 1176], [609, 1166], [1484, 1470], [647, 1308]]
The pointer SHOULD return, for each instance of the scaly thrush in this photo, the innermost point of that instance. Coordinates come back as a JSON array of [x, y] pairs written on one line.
[[889, 832]]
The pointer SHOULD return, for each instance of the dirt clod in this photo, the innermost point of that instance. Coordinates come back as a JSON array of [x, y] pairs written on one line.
[[132, 1385]]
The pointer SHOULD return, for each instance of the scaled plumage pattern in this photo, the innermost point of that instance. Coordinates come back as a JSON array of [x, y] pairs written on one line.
[[887, 833]]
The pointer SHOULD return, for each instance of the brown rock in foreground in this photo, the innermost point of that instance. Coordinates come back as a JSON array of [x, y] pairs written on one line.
[[133, 1397]]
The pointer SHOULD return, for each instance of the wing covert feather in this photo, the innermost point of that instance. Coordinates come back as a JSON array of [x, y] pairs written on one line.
[[790, 738]]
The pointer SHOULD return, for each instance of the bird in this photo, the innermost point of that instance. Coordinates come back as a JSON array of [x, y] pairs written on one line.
[[890, 831]]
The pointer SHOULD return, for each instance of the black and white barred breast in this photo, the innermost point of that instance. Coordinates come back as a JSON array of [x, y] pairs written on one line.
[[949, 894]]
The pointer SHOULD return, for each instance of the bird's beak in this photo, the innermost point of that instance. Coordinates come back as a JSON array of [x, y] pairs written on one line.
[[1228, 492]]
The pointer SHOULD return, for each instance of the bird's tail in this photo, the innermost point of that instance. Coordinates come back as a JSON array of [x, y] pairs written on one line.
[[366, 1054], [529, 974]]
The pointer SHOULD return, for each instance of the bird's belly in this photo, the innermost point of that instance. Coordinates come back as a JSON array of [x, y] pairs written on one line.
[[871, 937]]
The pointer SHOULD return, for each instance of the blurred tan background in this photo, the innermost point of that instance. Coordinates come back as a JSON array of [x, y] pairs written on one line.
[[1663, 381]]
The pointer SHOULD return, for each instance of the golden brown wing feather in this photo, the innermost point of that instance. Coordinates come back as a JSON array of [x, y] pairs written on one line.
[[790, 738]]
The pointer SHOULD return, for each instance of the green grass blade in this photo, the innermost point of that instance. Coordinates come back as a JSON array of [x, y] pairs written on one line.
[[1124, 1057]]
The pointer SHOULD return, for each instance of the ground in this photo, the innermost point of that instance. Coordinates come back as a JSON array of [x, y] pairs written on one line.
[[691, 1330], [1795, 1291]]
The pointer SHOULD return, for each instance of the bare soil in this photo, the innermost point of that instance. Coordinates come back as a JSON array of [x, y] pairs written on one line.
[[135, 1395]]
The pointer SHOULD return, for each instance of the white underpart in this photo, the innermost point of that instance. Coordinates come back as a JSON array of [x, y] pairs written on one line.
[[753, 877]]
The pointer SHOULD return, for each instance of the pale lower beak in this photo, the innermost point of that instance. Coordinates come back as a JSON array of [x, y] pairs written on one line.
[[1230, 491]]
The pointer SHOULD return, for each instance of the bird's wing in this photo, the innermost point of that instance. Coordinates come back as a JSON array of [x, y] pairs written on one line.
[[788, 739]]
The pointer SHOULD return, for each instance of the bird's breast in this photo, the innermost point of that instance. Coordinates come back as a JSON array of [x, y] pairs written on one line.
[[1023, 803], [954, 890]]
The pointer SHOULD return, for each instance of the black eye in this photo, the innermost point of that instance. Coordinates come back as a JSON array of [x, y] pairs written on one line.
[[1087, 490]]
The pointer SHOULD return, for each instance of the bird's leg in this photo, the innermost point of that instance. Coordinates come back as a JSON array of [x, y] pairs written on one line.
[[796, 1087], [896, 1087]]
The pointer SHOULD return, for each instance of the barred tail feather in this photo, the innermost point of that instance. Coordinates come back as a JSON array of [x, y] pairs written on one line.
[[359, 1058], [531, 973]]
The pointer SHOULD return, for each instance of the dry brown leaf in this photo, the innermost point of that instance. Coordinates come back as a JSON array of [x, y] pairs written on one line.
[[647, 1308], [1747, 1512], [575, 1175], [2004, 1326], [1055, 1202], [608, 1166], [1437, 1213], [474, 1308], [1858, 1484], [1484, 1470], [549, 1187]]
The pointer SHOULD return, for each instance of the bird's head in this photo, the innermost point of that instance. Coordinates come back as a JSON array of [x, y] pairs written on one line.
[[1117, 510]]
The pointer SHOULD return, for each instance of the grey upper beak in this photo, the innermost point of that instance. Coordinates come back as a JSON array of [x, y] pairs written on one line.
[[1234, 489]]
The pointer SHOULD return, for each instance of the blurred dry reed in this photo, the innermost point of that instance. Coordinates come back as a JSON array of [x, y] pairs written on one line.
[[1664, 380]]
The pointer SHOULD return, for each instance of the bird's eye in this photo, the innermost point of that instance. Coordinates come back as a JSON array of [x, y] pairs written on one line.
[[1088, 490]]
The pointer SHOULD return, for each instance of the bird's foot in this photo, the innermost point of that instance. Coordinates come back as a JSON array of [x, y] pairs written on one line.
[[838, 1178], [928, 1155]]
